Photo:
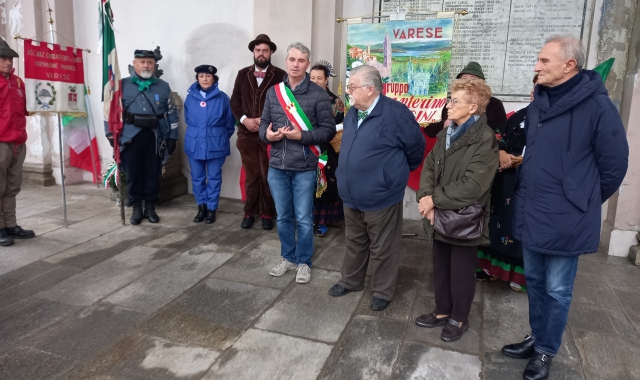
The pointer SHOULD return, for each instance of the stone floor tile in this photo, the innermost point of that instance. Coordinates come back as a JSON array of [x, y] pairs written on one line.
[[599, 320], [104, 247], [236, 239], [24, 274], [40, 224], [505, 316], [36, 284], [627, 277], [184, 201], [630, 303], [213, 314], [84, 231], [416, 253], [162, 285], [414, 227], [25, 363], [105, 278], [253, 264], [27, 251], [332, 255], [138, 356], [82, 207], [607, 358], [309, 311], [500, 367], [263, 355], [367, 349], [602, 258], [592, 290], [407, 286], [418, 361], [320, 243], [470, 341], [233, 206], [84, 334], [27, 316]]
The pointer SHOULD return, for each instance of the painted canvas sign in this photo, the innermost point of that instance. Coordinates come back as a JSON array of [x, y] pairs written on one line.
[[413, 58], [54, 78]]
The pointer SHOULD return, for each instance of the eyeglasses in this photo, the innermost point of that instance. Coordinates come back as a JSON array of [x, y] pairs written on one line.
[[350, 88], [455, 102]]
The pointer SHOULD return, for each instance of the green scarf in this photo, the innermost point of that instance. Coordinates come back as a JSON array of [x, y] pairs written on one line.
[[143, 84]]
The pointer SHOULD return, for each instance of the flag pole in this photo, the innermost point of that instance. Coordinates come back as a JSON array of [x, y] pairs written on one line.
[[64, 195], [87, 105]]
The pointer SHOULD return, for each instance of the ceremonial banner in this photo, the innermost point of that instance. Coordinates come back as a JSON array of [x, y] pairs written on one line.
[[54, 78], [413, 58]]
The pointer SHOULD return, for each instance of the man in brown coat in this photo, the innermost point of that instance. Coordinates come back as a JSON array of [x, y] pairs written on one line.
[[247, 101]]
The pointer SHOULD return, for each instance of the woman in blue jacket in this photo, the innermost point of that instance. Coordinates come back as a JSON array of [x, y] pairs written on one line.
[[210, 125]]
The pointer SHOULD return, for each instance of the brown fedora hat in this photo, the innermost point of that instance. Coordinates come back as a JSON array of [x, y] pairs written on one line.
[[262, 39]]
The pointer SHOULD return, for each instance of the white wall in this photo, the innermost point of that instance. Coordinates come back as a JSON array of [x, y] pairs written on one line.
[[189, 33]]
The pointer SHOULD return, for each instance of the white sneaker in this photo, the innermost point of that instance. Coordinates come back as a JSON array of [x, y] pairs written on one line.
[[283, 266], [304, 274]]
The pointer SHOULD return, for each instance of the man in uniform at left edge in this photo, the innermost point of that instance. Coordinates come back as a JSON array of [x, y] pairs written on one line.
[[149, 134]]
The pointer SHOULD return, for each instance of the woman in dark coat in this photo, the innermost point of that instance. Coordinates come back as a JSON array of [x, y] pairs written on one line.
[[458, 173], [502, 259], [327, 209]]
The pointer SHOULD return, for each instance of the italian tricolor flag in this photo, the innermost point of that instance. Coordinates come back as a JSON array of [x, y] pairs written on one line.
[[79, 136], [112, 91]]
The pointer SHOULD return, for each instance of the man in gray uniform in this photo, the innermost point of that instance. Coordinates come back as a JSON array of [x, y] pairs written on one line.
[[148, 135]]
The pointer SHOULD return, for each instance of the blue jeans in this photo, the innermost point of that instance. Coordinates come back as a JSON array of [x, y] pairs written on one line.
[[549, 286], [293, 195]]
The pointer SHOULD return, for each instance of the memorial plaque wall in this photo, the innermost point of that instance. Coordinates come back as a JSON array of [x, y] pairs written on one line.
[[504, 36]]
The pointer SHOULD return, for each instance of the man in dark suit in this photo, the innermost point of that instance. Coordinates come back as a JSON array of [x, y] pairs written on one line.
[[247, 101]]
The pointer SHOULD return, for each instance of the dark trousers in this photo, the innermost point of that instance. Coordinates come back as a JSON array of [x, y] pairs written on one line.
[[454, 269], [11, 159], [141, 164], [372, 238], [255, 161]]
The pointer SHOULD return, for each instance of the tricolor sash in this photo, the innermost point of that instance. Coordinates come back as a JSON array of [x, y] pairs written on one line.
[[297, 117]]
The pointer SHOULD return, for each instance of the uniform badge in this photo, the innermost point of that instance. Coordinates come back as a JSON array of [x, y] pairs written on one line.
[[157, 99], [203, 104]]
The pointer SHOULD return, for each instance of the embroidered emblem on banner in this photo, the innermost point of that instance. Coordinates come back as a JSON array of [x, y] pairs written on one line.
[[73, 98], [44, 97]]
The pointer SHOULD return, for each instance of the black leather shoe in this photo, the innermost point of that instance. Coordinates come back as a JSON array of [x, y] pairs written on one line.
[[150, 212], [522, 350], [378, 304], [211, 217], [18, 233], [430, 320], [202, 213], [5, 239], [136, 215], [247, 222], [267, 224], [538, 368], [338, 291]]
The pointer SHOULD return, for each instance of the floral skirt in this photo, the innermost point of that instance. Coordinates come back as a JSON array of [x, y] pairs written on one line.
[[328, 213], [504, 267]]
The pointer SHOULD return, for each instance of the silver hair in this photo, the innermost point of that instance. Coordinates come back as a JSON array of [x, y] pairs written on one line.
[[300, 46], [370, 76], [571, 49]]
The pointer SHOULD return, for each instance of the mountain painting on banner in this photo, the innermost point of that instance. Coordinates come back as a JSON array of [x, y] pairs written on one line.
[[54, 78]]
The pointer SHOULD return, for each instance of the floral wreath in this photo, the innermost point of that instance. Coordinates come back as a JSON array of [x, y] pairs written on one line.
[[53, 98]]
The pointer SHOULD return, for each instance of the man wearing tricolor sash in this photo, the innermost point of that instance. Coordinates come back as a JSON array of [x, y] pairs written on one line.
[[296, 120]]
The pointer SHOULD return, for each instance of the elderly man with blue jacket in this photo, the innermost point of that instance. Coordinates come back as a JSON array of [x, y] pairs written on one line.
[[381, 144], [575, 159]]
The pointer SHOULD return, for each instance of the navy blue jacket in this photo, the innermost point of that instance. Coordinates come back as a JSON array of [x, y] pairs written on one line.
[[209, 128], [576, 158], [375, 159]]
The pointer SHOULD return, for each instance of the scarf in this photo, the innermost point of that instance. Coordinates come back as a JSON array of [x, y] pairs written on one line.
[[143, 84]]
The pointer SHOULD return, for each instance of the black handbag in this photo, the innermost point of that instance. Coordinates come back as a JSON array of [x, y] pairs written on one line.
[[464, 224]]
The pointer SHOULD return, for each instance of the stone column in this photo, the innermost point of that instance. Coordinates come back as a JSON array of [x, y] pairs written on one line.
[[620, 231], [172, 182]]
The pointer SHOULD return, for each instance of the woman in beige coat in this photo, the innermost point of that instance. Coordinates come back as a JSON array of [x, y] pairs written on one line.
[[465, 160]]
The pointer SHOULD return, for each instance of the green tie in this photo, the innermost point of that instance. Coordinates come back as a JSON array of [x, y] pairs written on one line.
[[362, 115]]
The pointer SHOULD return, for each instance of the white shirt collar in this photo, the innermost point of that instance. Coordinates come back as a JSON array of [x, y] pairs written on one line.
[[257, 69]]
